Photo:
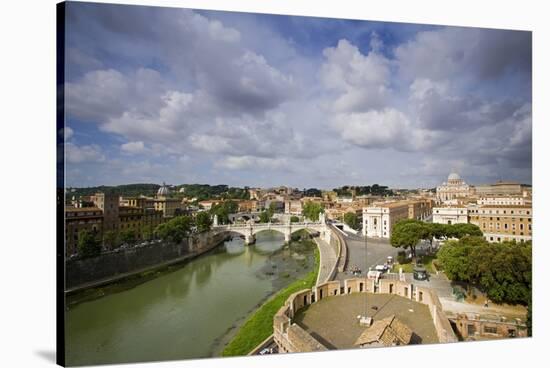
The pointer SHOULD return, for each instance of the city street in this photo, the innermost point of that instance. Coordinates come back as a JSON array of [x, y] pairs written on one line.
[[365, 254]]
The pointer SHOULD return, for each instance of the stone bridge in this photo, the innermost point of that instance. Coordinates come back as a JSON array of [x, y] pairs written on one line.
[[250, 229], [244, 216]]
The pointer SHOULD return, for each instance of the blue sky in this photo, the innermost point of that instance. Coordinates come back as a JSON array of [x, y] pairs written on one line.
[[191, 96]]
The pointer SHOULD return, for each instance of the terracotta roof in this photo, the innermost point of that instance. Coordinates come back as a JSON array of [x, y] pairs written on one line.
[[388, 331]]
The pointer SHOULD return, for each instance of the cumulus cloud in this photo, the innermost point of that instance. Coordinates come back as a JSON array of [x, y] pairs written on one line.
[[382, 129], [133, 147], [251, 162], [66, 133], [362, 82], [468, 52], [82, 154], [234, 93]]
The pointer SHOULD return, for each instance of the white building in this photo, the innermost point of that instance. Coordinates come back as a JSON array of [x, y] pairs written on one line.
[[450, 215], [378, 220], [504, 200], [455, 187]]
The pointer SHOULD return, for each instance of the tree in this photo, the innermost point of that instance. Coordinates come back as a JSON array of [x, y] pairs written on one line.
[[264, 217], [406, 234], [87, 244], [203, 221], [175, 230], [223, 209], [128, 236], [271, 210], [294, 219], [111, 239], [351, 219], [502, 270], [462, 230], [311, 210], [147, 232]]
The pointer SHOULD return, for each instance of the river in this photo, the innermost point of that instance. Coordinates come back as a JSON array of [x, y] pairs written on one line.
[[190, 312]]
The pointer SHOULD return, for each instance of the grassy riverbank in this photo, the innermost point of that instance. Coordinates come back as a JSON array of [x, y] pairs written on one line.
[[260, 324]]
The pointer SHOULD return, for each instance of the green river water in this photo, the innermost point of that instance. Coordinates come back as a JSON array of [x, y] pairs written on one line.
[[189, 313]]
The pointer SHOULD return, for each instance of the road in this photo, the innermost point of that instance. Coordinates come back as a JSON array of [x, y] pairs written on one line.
[[365, 254], [328, 260]]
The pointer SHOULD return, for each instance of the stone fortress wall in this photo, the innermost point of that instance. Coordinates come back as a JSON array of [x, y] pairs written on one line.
[[111, 266], [291, 338]]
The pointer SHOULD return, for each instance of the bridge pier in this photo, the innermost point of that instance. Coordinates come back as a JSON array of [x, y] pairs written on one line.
[[249, 239], [287, 237]]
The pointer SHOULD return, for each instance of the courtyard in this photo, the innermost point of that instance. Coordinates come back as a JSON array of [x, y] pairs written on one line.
[[333, 320]]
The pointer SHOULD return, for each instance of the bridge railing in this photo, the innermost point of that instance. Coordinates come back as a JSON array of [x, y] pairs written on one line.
[[246, 226]]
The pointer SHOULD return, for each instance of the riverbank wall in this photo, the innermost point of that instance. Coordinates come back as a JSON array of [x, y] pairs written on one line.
[[113, 266]]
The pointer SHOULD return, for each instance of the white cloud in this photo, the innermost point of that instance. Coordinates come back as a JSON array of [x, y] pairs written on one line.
[[251, 162], [67, 133], [133, 147], [362, 82], [387, 128], [82, 154]]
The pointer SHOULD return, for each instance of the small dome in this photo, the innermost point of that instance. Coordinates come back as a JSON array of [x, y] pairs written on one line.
[[453, 176], [163, 190]]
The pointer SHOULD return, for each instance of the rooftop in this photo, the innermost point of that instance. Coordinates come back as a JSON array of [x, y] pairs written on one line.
[[333, 321]]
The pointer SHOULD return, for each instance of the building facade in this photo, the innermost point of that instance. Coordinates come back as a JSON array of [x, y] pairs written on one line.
[[450, 215], [455, 187], [108, 203], [378, 220], [293, 207], [502, 188], [503, 222], [514, 200], [88, 219]]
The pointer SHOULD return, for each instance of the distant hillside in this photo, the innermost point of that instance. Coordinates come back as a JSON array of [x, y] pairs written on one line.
[[127, 190]]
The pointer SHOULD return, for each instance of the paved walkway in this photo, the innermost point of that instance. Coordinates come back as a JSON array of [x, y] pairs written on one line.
[[327, 262]]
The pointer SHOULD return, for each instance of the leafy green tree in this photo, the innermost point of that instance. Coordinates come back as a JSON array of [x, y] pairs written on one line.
[[203, 221], [175, 230], [294, 219], [502, 270], [351, 220], [407, 234], [88, 245], [128, 236], [462, 230], [111, 239], [223, 209], [271, 209], [439, 231], [311, 210], [147, 232], [264, 217]]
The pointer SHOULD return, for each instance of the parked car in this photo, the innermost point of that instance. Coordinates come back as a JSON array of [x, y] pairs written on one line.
[[266, 351], [381, 268], [420, 273]]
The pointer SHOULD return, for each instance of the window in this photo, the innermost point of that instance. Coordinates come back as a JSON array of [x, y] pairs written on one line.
[[505, 226], [490, 329]]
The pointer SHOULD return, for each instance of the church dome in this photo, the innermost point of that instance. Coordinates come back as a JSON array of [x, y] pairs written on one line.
[[163, 190], [453, 176]]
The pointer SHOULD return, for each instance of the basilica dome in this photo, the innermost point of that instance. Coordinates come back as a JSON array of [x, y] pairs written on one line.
[[163, 190], [453, 176]]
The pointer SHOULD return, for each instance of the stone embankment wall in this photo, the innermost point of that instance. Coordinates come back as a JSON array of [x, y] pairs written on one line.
[[339, 243], [112, 266], [289, 341]]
